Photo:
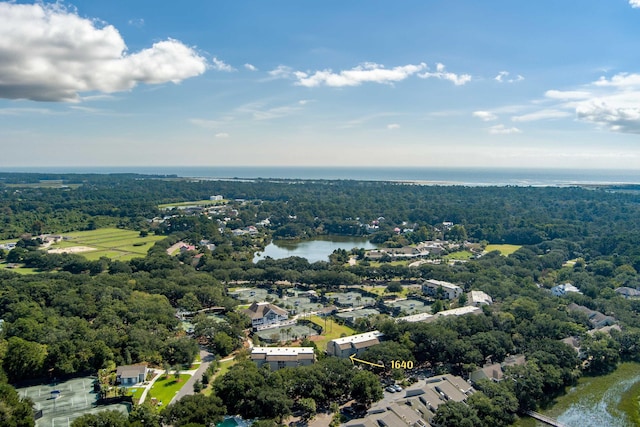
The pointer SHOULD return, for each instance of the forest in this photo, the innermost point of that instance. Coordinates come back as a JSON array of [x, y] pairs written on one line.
[[78, 316]]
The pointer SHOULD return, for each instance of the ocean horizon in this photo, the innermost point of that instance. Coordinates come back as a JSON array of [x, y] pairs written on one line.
[[424, 175]]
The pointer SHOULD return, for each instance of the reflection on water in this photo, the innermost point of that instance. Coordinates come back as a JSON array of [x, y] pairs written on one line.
[[313, 250]]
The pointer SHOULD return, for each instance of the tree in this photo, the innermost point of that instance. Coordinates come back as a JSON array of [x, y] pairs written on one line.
[[456, 414], [14, 411], [365, 388], [102, 419], [144, 415], [308, 406], [24, 359], [197, 408]]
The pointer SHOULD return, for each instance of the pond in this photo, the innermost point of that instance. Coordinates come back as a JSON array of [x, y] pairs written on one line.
[[314, 250]]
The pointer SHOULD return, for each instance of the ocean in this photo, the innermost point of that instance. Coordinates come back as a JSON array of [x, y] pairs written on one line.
[[426, 175]]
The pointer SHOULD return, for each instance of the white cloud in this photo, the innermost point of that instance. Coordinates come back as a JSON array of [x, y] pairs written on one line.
[[281, 72], [220, 65], [441, 73], [567, 94], [393, 126], [486, 116], [369, 72], [49, 53], [620, 81], [222, 135], [502, 77], [250, 67], [137, 22], [613, 116], [634, 3], [542, 115], [260, 112], [502, 130]]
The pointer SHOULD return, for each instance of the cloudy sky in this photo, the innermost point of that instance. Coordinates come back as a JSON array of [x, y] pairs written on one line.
[[500, 83]]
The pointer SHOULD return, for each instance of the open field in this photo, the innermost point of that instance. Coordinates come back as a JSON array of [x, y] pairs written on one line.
[[194, 203], [112, 243], [19, 269], [332, 330], [505, 250], [461, 255], [166, 387]]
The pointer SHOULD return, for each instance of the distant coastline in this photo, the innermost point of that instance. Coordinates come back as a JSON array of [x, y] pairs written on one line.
[[415, 175]]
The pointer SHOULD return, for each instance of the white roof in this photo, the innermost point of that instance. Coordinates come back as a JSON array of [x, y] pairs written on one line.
[[358, 338], [282, 351], [420, 317], [459, 311], [443, 284], [479, 296]]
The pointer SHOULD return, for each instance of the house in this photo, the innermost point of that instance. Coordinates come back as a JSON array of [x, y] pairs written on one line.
[[433, 287], [565, 288], [216, 198], [353, 345], [283, 357], [596, 319], [478, 298], [264, 313], [495, 371], [417, 406], [131, 374], [626, 292]]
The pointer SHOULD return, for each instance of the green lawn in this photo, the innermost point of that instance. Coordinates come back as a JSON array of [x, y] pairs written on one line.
[[381, 290], [113, 243], [462, 255], [19, 269], [332, 331], [166, 387], [505, 250]]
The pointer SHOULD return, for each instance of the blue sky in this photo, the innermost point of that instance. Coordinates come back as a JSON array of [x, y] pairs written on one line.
[[332, 83]]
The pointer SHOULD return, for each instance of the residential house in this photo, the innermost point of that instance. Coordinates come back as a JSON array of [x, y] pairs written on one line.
[[216, 198], [264, 313], [353, 345], [565, 288], [596, 319], [434, 287], [495, 371], [283, 357], [626, 292], [478, 298], [131, 374]]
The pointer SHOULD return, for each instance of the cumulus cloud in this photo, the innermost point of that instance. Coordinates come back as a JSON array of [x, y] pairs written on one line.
[[634, 3], [611, 113], [542, 115], [441, 73], [502, 130], [250, 67], [503, 77], [369, 72], [220, 65], [393, 126], [486, 116], [49, 53]]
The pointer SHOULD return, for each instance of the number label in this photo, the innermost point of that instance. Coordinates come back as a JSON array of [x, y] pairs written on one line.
[[401, 364]]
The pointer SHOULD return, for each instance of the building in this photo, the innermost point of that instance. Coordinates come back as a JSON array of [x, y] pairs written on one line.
[[354, 344], [418, 405], [565, 288], [626, 292], [264, 314], [283, 357], [495, 371], [434, 287], [131, 374], [478, 298], [596, 319], [216, 198]]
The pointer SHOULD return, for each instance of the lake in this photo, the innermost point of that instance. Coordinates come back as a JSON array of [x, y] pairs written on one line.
[[317, 249]]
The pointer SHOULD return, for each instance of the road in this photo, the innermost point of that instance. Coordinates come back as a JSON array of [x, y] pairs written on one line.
[[206, 357]]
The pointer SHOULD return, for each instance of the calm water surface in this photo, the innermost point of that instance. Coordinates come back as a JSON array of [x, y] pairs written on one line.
[[313, 250]]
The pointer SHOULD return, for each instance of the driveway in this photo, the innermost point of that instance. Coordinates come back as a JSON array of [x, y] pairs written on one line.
[[206, 357]]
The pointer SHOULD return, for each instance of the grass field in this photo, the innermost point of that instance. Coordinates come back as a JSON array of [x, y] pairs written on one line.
[[459, 255], [332, 330], [112, 243], [194, 203], [505, 250], [166, 387], [19, 269], [381, 290]]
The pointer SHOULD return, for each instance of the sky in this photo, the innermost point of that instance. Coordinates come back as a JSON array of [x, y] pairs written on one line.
[[416, 83]]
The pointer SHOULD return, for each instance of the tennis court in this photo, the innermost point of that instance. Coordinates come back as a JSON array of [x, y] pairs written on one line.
[[63, 402], [285, 333]]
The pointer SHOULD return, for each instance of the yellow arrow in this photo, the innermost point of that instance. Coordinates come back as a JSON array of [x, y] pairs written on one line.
[[353, 360]]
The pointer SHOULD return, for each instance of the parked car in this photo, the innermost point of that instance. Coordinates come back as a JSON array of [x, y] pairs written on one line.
[[391, 389], [396, 387]]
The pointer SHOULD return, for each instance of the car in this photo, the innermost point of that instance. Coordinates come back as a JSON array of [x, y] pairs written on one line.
[[391, 389], [396, 387]]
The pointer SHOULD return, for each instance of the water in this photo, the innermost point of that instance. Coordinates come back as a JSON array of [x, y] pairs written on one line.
[[313, 250], [441, 176]]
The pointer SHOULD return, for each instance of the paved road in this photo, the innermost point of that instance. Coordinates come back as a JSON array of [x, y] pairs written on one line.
[[206, 358]]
